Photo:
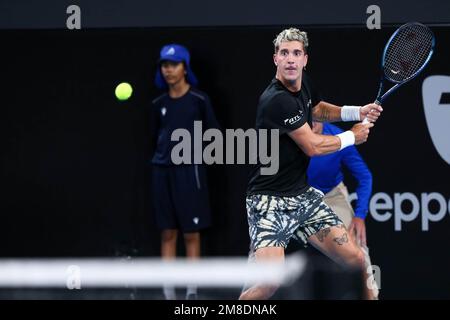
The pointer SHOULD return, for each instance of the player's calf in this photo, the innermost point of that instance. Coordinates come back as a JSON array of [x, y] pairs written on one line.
[[260, 292]]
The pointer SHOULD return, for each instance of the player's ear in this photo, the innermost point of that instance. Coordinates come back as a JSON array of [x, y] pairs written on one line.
[[305, 62], [275, 59]]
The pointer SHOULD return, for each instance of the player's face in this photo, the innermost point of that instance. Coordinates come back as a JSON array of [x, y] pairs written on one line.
[[173, 72], [290, 60]]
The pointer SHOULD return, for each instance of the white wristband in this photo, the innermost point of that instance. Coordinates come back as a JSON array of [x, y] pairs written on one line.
[[347, 139], [350, 113]]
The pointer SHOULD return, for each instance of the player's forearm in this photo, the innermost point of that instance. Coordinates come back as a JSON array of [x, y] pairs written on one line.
[[313, 144], [323, 144], [326, 112]]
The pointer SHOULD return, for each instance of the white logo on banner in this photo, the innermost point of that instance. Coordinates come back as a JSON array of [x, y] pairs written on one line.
[[384, 207], [437, 115], [406, 207]]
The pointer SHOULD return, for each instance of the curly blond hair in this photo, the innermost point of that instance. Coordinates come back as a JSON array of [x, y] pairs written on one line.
[[291, 34]]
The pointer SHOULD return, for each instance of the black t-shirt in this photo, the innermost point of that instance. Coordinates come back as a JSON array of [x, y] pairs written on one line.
[[286, 111]]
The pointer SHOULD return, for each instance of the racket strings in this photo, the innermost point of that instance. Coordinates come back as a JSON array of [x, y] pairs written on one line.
[[408, 52]]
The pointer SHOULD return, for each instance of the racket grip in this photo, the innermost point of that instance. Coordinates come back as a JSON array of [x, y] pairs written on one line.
[[365, 121]]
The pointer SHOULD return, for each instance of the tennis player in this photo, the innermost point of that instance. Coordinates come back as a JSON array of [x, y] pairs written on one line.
[[283, 206]]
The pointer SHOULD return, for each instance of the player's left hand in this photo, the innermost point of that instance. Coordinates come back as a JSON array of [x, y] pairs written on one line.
[[372, 111], [358, 229]]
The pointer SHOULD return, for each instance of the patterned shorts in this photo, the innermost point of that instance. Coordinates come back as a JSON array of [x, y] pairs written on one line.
[[274, 220]]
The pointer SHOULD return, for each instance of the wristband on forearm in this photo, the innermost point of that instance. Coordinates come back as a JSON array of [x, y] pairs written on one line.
[[347, 139], [350, 113]]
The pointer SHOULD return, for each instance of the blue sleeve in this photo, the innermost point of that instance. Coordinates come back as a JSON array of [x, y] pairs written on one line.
[[358, 168]]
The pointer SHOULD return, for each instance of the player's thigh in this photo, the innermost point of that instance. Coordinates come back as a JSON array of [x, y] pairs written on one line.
[[272, 254], [272, 220], [336, 243]]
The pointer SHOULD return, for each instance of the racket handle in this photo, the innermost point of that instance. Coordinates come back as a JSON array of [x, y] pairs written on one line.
[[365, 121]]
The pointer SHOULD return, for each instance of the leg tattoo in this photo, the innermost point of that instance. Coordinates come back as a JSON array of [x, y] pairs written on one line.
[[341, 240], [322, 234]]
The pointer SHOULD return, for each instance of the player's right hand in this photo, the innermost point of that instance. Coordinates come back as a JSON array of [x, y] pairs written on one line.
[[370, 111], [361, 132]]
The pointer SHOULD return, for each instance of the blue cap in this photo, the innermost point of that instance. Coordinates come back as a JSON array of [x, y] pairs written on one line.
[[176, 53]]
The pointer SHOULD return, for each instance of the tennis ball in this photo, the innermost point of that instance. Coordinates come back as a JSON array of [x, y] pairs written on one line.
[[123, 91]]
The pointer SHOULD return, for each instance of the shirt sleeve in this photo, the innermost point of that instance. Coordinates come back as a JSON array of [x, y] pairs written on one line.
[[358, 168], [315, 94], [284, 113], [154, 124], [209, 117]]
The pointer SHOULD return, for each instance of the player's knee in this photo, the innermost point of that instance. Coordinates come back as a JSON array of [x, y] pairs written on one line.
[[357, 258], [259, 293], [169, 235], [270, 291], [192, 237]]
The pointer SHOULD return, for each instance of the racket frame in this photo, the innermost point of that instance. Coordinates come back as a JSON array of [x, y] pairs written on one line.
[[379, 100]]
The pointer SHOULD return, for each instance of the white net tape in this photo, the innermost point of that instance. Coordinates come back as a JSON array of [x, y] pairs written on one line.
[[146, 272]]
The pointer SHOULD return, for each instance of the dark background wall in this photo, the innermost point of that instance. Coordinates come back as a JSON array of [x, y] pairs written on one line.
[[175, 13], [74, 171]]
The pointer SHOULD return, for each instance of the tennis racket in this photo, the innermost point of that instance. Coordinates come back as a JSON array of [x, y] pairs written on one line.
[[405, 55]]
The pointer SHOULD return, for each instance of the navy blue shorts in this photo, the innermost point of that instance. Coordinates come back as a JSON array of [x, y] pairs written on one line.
[[180, 197]]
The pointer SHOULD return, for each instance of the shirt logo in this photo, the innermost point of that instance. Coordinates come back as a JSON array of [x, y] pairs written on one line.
[[293, 120], [309, 103], [163, 111], [196, 219]]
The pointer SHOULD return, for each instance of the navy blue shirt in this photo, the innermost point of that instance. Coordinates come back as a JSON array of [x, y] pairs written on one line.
[[169, 114], [325, 172]]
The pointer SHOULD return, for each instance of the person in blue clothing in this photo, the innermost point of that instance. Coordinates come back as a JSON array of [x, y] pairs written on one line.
[[326, 174], [180, 191]]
